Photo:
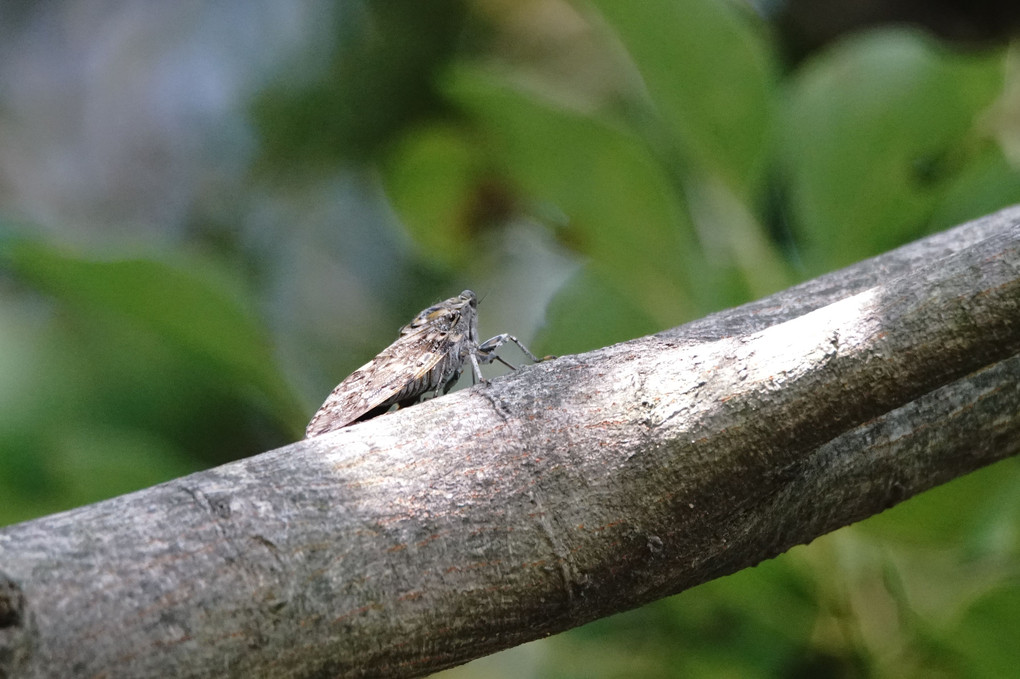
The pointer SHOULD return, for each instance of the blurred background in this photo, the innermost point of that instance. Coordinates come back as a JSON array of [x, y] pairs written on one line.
[[210, 213]]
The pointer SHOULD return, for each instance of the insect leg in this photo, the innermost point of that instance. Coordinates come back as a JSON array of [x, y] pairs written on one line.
[[476, 370], [500, 359], [488, 347]]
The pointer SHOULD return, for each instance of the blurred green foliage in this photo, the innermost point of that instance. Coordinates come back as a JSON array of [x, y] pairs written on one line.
[[894, 119], [101, 396], [685, 168]]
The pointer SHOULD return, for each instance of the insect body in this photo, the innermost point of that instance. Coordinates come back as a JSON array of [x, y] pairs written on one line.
[[428, 356]]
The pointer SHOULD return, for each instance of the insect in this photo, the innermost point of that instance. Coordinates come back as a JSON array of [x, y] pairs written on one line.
[[428, 356]]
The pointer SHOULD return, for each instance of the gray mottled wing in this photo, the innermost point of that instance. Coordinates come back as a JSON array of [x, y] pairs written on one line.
[[398, 374], [428, 356]]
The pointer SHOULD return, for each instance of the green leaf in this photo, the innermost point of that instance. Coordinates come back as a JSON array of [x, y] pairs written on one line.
[[711, 76], [433, 178], [587, 313], [877, 127], [620, 207], [187, 304], [986, 636], [986, 184]]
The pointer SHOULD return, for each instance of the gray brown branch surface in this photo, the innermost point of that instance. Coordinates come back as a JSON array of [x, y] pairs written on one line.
[[565, 492]]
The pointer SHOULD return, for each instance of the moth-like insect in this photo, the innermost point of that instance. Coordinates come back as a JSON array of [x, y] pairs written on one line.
[[428, 356]]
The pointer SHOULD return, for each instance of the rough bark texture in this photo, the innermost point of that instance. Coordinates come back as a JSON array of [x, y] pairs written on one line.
[[568, 491]]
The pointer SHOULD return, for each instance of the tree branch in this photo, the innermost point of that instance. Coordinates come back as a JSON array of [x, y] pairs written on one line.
[[568, 491]]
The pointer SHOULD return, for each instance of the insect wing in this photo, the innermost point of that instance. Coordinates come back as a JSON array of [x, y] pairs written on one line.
[[376, 382], [427, 356]]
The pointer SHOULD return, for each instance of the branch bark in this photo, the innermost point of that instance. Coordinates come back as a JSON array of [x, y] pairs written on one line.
[[568, 491]]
